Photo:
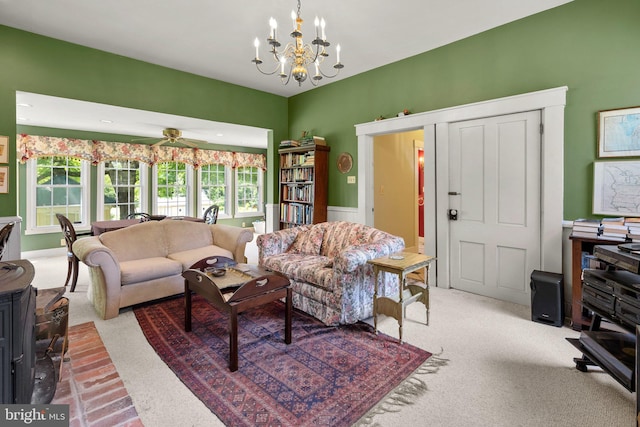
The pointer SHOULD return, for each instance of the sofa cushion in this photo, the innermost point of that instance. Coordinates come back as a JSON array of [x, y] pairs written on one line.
[[140, 241], [314, 269], [308, 242], [185, 235], [148, 269], [341, 234], [190, 257]]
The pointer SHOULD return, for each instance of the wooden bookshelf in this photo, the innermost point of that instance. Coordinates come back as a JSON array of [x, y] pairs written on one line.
[[304, 179]]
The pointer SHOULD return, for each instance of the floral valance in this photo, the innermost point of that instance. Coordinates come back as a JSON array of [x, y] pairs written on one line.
[[33, 146]]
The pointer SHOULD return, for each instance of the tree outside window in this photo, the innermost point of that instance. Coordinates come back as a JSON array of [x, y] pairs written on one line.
[[213, 188], [122, 188], [248, 191], [171, 189]]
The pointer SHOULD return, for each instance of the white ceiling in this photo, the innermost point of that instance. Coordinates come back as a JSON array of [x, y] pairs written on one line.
[[215, 38]]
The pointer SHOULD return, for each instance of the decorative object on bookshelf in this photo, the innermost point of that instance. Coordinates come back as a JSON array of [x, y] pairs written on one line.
[[304, 177], [618, 132], [345, 162]]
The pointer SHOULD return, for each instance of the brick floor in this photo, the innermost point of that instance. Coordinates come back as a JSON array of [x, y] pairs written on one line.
[[91, 385]]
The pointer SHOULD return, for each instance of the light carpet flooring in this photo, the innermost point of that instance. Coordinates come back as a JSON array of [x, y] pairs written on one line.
[[503, 369]]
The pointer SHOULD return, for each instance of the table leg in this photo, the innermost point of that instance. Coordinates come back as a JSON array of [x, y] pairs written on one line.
[[233, 339], [426, 289], [287, 318], [375, 299], [403, 282], [187, 307]]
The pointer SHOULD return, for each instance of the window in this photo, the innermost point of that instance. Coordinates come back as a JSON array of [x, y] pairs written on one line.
[[248, 191], [57, 184], [213, 189], [121, 189], [172, 181]]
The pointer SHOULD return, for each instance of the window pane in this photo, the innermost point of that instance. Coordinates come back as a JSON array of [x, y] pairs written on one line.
[[122, 188], [248, 197], [213, 187], [58, 189], [172, 188]]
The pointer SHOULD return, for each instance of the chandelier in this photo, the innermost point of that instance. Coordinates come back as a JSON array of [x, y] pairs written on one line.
[[296, 57]]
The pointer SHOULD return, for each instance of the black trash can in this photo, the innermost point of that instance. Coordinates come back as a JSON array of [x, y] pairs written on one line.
[[547, 298]]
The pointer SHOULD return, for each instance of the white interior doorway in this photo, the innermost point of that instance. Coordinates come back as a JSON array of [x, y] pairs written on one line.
[[435, 126], [395, 185]]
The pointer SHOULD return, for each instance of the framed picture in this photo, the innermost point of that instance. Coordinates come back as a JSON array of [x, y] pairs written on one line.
[[619, 132], [4, 149], [616, 188], [4, 179]]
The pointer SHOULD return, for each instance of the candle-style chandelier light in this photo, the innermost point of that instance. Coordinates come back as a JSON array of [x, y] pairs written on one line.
[[296, 57]]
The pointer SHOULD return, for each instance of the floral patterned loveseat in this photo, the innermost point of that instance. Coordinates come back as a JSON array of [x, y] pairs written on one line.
[[327, 265]]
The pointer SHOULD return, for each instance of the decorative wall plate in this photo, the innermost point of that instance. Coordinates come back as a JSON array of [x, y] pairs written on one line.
[[345, 162]]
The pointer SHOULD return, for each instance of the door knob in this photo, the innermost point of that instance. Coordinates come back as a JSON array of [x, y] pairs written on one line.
[[453, 214]]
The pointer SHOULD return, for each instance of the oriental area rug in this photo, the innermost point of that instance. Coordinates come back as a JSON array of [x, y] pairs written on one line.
[[330, 376]]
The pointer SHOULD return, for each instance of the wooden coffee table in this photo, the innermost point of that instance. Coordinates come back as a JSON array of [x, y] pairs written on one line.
[[411, 291], [243, 287]]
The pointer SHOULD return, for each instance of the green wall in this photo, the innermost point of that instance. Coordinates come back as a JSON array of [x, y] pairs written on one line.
[[33, 63], [591, 46], [588, 45]]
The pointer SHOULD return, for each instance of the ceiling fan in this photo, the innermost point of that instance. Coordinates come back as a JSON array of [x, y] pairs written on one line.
[[172, 135]]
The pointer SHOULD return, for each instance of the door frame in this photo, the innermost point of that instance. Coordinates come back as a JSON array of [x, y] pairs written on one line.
[[550, 102]]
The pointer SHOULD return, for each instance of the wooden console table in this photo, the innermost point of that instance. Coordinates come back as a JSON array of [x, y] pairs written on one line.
[[410, 291]]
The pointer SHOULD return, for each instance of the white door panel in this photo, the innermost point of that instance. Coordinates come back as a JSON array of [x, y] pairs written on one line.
[[494, 169]]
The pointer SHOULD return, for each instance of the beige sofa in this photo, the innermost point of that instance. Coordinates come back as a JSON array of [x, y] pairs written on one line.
[[145, 261]]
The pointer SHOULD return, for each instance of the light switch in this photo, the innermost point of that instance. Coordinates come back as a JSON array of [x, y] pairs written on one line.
[[351, 179]]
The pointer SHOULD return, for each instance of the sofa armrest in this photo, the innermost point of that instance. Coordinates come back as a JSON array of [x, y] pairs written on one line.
[[354, 257], [232, 238], [277, 242], [105, 275]]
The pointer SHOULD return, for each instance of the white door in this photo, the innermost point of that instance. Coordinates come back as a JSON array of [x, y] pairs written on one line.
[[494, 184]]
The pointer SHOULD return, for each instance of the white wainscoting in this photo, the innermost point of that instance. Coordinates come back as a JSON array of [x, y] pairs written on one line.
[[338, 213]]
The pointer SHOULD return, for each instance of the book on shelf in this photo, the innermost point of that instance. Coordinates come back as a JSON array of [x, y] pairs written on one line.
[[613, 237], [584, 234], [289, 143], [319, 140], [591, 262], [587, 228], [613, 221], [587, 222]]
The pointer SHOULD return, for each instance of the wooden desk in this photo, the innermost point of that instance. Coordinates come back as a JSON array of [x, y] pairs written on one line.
[[409, 291]]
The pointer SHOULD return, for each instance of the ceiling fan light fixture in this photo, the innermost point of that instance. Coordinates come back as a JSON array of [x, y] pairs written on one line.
[[172, 134]]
